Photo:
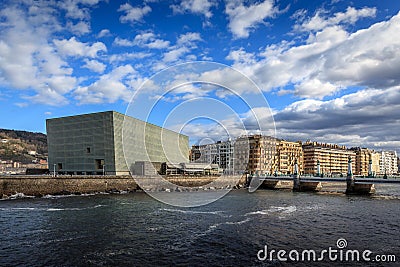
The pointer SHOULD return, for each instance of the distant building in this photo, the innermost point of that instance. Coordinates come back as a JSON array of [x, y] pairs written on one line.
[[388, 163], [333, 159], [253, 154], [288, 153], [220, 153], [364, 157], [92, 144], [256, 154]]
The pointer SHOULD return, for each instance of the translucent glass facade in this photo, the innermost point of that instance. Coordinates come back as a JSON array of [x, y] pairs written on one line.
[[92, 143]]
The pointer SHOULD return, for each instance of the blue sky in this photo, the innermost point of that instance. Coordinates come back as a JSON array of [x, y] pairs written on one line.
[[329, 70]]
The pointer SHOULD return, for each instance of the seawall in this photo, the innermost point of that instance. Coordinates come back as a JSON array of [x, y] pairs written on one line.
[[47, 185]]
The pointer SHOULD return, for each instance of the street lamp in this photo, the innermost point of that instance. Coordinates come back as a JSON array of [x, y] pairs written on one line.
[[104, 169], [54, 170]]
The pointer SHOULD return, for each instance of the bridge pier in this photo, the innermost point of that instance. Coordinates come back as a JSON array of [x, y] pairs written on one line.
[[277, 184], [303, 186], [357, 188]]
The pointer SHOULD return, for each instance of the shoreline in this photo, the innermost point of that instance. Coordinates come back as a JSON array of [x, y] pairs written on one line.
[[39, 186]]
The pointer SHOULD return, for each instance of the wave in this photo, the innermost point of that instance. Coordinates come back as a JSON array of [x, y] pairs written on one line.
[[274, 210], [218, 212], [386, 197], [69, 195], [49, 209], [17, 196]]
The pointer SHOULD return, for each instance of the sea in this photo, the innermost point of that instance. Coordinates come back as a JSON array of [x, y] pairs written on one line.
[[240, 229]]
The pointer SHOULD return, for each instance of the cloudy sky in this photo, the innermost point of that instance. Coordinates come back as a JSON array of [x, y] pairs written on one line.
[[329, 70]]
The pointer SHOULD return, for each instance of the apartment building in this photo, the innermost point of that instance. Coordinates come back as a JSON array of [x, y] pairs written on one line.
[[333, 158]]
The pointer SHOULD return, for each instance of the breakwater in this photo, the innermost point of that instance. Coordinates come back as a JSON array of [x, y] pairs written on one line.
[[47, 185]]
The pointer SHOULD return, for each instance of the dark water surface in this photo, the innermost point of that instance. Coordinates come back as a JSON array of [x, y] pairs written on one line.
[[135, 230]]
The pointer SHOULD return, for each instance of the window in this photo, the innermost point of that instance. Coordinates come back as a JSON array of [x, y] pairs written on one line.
[[59, 166], [88, 150], [99, 163]]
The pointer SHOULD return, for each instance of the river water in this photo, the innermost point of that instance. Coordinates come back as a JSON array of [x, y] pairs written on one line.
[[136, 230]]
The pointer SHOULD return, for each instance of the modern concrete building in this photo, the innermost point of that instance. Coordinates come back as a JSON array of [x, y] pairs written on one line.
[[93, 144]]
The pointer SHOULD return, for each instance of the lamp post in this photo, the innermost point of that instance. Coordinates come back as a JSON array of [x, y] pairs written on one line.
[[54, 170], [104, 169]]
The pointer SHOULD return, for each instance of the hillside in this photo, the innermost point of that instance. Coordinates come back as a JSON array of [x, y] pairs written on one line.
[[15, 145]]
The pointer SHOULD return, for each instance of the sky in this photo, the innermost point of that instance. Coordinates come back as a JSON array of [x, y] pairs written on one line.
[[329, 71]]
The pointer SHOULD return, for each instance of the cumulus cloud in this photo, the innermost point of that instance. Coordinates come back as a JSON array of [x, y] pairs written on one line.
[[79, 28], [319, 21], [133, 14], [109, 87], [104, 33], [243, 19], [94, 66], [128, 56], [368, 118], [185, 44], [146, 39], [201, 7], [150, 40], [331, 59], [28, 60], [72, 47]]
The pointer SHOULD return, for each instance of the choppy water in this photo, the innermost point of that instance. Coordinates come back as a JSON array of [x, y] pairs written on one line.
[[135, 230]]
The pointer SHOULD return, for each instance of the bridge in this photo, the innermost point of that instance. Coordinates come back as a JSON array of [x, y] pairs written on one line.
[[354, 185]]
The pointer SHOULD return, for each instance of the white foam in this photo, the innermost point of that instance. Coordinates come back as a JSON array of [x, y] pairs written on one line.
[[19, 195], [49, 209], [193, 211], [274, 210]]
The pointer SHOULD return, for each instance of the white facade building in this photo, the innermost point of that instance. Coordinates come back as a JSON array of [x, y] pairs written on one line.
[[388, 163]]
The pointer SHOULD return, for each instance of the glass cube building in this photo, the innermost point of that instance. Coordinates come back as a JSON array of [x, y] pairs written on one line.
[[93, 144]]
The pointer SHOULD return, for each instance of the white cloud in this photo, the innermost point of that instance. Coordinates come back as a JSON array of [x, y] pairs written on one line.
[[368, 118], [27, 60], [128, 56], [351, 16], [242, 19], [314, 88], [109, 87], [104, 33], [77, 9], [150, 40], [201, 7], [175, 54], [147, 39], [94, 66], [79, 28], [123, 42], [331, 60], [189, 39], [72, 47], [184, 45], [133, 14]]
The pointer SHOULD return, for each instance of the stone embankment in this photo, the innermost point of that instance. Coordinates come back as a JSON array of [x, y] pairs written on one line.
[[47, 185]]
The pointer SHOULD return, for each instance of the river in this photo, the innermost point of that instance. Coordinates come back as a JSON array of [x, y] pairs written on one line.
[[135, 230]]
